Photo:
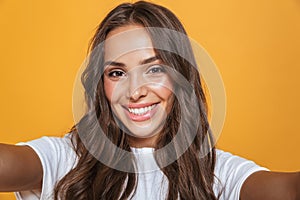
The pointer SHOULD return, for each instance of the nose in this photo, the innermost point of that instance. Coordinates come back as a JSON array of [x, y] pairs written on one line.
[[137, 87]]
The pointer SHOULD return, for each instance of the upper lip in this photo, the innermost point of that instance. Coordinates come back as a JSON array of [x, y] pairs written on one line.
[[139, 105]]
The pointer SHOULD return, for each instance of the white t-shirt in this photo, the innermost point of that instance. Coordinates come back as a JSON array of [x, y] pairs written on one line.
[[58, 158]]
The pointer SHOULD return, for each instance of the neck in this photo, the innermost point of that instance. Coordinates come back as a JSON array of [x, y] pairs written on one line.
[[142, 142]]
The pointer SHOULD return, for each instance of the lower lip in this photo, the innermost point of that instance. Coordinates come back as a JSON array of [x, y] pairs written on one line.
[[143, 117]]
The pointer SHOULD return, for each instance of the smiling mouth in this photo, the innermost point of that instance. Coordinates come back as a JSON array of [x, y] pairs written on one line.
[[142, 110]]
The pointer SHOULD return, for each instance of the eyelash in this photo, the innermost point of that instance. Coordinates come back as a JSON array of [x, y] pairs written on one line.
[[154, 69], [116, 73]]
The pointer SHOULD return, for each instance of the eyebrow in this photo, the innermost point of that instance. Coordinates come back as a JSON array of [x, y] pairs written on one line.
[[143, 62]]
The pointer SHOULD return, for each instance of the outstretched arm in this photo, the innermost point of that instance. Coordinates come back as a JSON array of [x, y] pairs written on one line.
[[20, 168], [271, 185]]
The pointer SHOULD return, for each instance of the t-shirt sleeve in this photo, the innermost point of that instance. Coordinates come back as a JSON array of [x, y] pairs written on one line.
[[231, 172], [57, 157]]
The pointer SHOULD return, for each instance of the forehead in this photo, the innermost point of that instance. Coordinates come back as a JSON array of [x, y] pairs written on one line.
[[124, 40]]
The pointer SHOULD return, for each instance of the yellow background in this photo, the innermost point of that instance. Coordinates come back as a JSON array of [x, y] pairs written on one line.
[[256, 45]]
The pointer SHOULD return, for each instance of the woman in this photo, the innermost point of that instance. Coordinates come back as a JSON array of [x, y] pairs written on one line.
[[143, 95]]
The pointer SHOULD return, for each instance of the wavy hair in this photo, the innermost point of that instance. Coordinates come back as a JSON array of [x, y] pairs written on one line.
[[191, 176]]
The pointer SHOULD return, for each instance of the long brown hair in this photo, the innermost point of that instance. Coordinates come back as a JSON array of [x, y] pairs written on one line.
[[191, 176]]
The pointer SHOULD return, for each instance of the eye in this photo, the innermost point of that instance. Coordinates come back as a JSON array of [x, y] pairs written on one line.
[[156, 69], [116, 74]]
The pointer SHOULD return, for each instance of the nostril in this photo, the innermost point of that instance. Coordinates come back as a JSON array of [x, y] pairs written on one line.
[[135, 95]]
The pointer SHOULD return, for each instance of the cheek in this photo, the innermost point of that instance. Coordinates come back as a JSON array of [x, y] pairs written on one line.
[[108, 89], [168, 95], [113, 90], [165, 92], [167, 89]]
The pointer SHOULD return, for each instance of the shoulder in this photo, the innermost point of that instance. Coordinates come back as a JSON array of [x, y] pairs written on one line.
[[226, 162], [56, 148], [231, 171], [57, 156]]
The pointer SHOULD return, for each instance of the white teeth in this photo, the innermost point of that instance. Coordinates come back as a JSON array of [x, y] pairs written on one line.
[[136, 110], [141, 111]]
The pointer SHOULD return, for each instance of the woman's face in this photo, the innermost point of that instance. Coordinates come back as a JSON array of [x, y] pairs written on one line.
[[136, 84]]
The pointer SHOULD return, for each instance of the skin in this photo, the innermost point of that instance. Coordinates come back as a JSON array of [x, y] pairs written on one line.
[[134, 78], [271, 186], [21, 169]]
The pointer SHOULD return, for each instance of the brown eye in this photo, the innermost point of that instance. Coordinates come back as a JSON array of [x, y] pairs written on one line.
[[116, 73]]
